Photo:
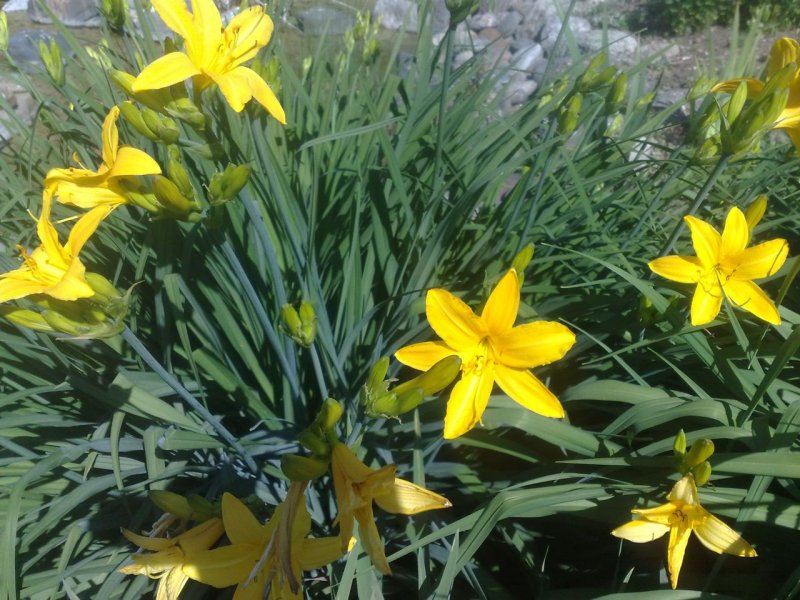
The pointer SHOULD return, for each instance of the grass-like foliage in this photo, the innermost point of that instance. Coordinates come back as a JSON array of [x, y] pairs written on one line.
[[195, 377]]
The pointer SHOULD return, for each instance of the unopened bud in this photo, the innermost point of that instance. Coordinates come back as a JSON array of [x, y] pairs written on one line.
[[702, 473], [308, 318], [378, 373], [25, 318], [707, 150], [522, 260], [330, 414], [303, 468], [133, 116], [614, 126], [435, 379], [165, 128], [3, 31], [179, 176], [115, 13], [186, 110], [226, 185], [103, 288], [313, 443], [679, 445], [616, 94], [700, 451], [53, 63], [755, 212], [459, 10], [736, 102], [291, 321], [171, 198], [568, 116], [171, 503]]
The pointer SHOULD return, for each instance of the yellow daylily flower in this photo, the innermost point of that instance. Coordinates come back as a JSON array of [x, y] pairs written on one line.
[[85, 188], [213, 54], [170, 554], [264, 561], [724, 266], [682, 515], [53, 269], [784, 51], [356, 486], [491, 350]]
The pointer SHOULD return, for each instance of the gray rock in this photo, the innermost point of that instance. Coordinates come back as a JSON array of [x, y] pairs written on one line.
[[72, 13], [527, 59], [396, 14], [405, 60], [482, 21], [324, 19], [462, 57], [517, 92], [509, 22], [577, 26], [622, 46], [15, 5], [19, 99], [23, 46]]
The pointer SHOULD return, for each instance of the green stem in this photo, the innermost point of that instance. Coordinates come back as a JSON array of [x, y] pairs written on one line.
[[323, 389], [701, 196], [151, 361], [438, 175]]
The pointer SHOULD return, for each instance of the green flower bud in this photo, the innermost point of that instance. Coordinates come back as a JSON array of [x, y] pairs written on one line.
[[291, 321], [330, 414], [568, 115], [3, 31], [736, 102], [303, 468], [616, 94], [187, 111], [103, 288], [435, 379], [702, 473], [522, 260], [171, 503], [459, 10], [25, 318], [614, 126], [700, 451], [378, 374], [133, 116], [313, 443], [225, 186], [679, 445], [115, 13], [755, 211], [308, 318], [179, 176], [52, 60], [171, 198], [165, 128]]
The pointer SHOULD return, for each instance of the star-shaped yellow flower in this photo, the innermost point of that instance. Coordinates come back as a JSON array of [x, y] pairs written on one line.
[[356, 486], [85, 188], [784, 51], [53, 269], [679, 517], [213, 54], [264, 559], [491, 350], [170, 554], [724, 266]]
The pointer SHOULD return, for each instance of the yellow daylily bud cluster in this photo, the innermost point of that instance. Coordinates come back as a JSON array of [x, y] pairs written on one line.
[[317, 439], [300, 325], [695, 461], [50, 53]]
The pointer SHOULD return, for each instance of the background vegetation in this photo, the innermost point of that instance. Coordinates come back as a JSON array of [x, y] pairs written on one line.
[[369, 196]]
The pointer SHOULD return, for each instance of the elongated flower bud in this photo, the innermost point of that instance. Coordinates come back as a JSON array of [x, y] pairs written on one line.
[[435, 379], [522, 260], [568, 116], [702, 472], [700, 451], [679, 445], [25, 318], [52, 60], [303, 468], [755, 212], [133, 116]]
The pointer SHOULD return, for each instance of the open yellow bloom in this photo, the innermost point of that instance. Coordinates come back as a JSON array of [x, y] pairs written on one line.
[[53, 269], [724, 266], [784, 51], [85, 188], [491, 349], [680, 517], [213, 54], [264, 561], [356, 486], [170, 554]]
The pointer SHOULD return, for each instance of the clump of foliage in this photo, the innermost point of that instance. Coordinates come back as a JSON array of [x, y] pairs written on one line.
[[683, 16]]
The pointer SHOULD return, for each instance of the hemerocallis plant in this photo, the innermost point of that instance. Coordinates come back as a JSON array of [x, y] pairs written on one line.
[[85, 188], [784, 51], [264, 561], [679, 517], [356, 486], [725, 267], [213, 54], [492, 350], [168, 555], [53, 269]]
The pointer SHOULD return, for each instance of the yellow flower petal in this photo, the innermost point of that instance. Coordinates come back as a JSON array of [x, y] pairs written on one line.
[[175, 16], [736, 233], [706, 304], [85, 192], [171, 585], [262, 93], [207, 28], [706, 241], [248, 31], [318, 552], [501, 308], [784, 51], [453, 320], [223, 567], [132, 162], [468, 401], [750, 297], [168, 70], [532, 344], [234, 86], [762, 260], [201, 537], [424, 355], [371, 540], [678, 538], [84, 228], [683, 269], [406, 498], [110, 136], [240, 524], [640, 531], [525, 389], [718, 537], [148, 543], [754, 86]]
